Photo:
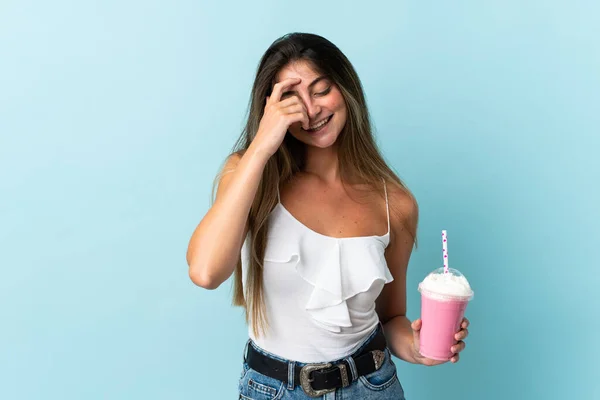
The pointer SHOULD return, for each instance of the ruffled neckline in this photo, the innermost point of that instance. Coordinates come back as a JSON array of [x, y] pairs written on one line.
[[336, 268]]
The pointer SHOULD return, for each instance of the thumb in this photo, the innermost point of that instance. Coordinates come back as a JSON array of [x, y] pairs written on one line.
[[416, 328], [416, 325]]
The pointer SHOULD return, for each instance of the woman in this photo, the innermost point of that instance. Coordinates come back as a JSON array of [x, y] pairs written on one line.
[[318, 231]]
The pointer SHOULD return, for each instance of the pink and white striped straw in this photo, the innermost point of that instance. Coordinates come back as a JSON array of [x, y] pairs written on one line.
[[445, 250]]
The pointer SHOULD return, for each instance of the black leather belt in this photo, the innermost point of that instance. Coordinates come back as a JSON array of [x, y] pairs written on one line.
[[318, 379]]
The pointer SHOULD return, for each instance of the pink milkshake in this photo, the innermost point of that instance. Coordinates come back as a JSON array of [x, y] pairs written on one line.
[[444, 298]]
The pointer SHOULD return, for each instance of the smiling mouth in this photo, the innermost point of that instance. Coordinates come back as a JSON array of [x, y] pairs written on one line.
[[320, 125]]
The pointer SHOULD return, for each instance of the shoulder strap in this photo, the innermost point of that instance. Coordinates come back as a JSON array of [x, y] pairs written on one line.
[[278, 197], [387, 205]]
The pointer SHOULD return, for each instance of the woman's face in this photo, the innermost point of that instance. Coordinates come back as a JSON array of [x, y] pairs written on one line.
[[324, 103]]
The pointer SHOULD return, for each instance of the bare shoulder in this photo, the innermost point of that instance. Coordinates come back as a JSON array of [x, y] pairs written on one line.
[[404, 211], [222, 180], [231, 163], [404, 214]]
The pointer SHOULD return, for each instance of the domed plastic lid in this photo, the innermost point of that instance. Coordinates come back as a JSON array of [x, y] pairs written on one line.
[[452, 285]]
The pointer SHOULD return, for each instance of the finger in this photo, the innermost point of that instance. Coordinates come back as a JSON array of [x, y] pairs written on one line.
[[297, 117], [458, 347], [416, 324], [416, 329], [295, 104], [462, 334], [455, 358], [290, 101], [280, 86], [299, 108], [306, 120], [465, 323], [293, 108]]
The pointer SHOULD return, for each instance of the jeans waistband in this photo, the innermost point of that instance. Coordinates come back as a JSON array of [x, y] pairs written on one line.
[[365, 342]]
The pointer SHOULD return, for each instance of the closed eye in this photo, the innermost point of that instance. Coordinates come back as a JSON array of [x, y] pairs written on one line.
[[324, 92]]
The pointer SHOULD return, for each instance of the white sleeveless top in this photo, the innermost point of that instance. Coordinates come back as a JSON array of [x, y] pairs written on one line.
[[319, 291]]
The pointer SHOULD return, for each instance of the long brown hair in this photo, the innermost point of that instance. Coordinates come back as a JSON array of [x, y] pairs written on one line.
[[358, 154]]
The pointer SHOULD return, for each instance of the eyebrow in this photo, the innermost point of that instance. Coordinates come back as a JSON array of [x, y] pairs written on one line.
[[313, 83], [317, 80]]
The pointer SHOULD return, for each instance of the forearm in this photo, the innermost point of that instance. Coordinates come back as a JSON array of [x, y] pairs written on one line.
[[215, 245], [399, 336]]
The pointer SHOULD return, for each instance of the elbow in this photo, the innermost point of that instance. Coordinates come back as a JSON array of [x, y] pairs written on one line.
[[206, 271], [201, 278], [198, 273]]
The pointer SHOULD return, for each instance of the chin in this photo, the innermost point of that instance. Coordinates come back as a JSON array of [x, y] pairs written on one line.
[[323, 142]]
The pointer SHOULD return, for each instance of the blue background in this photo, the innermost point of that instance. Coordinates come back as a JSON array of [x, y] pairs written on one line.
[[116, 115]]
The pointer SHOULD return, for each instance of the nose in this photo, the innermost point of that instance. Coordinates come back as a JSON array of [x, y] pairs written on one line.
[[312, 109]]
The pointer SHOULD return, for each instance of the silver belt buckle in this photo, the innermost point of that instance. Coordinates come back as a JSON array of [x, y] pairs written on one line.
[[305, 381]]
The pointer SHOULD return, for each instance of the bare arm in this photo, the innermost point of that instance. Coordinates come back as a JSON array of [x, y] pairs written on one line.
[[391, 303], [215, 245], [216, 242], [403, 336]]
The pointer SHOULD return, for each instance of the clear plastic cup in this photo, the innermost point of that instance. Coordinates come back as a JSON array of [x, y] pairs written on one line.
[[444, 299]]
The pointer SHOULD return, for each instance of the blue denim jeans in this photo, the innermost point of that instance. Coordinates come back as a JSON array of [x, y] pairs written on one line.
[[382, 384]]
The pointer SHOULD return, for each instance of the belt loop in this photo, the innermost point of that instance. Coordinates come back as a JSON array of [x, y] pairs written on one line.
[[291, 373], [353, 369], [246, 350]]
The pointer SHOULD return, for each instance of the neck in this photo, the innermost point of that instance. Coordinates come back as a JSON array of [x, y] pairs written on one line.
[[323, 163]]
